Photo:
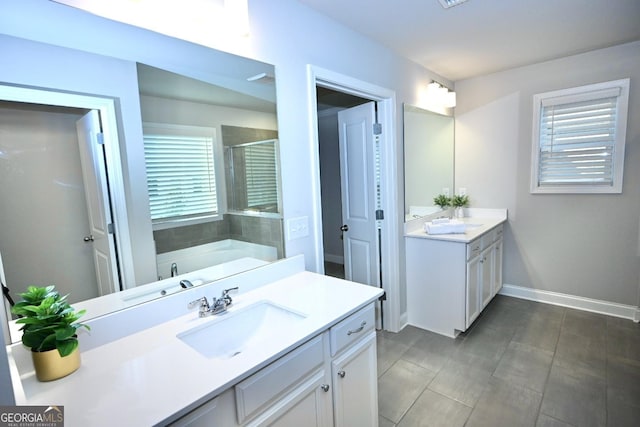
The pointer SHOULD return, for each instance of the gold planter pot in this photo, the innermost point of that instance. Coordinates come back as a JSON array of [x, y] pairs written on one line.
[[50, 365]]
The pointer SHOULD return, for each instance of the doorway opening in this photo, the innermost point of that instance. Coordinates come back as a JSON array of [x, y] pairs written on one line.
[[374, 263], [60, 121]]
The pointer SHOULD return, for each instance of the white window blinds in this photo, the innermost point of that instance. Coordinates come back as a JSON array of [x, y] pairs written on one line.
[[181, 172], [579, 141], [261, 175]]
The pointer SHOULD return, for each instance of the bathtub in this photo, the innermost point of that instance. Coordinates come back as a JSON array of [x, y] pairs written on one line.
[[211, 254]]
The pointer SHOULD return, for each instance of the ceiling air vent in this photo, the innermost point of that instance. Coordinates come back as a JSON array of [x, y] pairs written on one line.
[[450, 3]]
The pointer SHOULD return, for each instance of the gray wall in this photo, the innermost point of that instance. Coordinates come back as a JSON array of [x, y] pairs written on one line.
[[583, 245]]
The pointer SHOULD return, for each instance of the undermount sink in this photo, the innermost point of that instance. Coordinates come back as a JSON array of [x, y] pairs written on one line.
[[232, 333]]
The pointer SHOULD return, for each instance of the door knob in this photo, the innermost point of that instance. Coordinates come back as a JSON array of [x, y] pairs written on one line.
[[344, 228], [325, 387], [88, 238]]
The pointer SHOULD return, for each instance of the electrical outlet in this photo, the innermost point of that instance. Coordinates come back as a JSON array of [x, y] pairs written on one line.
[[462, 191], [297, 227]]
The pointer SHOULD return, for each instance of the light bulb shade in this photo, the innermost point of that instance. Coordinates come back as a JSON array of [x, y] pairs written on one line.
[[433, 88], [449, 100]]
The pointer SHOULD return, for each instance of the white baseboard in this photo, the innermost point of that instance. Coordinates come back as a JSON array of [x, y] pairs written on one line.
[[579, 303], [337, 259]]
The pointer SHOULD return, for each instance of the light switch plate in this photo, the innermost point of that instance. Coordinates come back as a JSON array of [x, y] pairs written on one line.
[[297, 227]]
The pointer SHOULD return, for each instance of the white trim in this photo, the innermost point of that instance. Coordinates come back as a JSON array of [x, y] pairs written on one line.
[[107, 109], [386, 99], [564, 95], [572, 301]]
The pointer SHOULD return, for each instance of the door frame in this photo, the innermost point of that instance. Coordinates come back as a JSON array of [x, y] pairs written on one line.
[[390, 250], [108, 119]]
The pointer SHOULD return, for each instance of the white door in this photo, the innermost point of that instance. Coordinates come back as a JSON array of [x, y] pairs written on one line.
[[357, 170], [98, 207]]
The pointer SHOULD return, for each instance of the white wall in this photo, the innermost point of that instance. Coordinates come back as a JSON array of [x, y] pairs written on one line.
[[284, 33], [582, 245]]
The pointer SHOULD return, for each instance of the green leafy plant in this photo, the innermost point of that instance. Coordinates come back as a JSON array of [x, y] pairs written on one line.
[[459, 201], [442, 200], [49, 322]]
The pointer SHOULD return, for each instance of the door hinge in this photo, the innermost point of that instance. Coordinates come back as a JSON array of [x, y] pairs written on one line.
[[379, 214], [100, 137], [111, 229], [377, 128]]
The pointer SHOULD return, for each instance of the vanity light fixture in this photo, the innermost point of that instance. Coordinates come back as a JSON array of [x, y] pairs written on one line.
[[440, 94], [450, 3]]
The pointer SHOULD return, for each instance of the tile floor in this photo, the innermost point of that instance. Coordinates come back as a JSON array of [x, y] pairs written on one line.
[[521, 364]]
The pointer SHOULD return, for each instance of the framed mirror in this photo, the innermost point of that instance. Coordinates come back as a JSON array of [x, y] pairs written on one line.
[[428, 160], [153, 79]]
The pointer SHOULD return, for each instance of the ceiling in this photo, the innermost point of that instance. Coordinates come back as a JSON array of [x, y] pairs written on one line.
[[484, 36]]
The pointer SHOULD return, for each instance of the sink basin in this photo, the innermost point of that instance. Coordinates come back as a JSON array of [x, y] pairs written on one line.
[[230, 334]]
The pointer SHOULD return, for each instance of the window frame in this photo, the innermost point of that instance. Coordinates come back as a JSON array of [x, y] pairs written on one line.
[[569, 96], [218, 164]]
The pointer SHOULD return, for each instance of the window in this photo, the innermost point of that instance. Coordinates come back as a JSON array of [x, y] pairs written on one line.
[[182, 165], [579, 138], [253, 176]]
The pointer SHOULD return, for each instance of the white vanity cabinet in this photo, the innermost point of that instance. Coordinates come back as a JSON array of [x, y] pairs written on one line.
[[331, 380], [354, 370], [451, 280]]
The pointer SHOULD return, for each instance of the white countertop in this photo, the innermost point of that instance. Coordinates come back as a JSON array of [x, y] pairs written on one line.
[[146, 377], [476, 227]]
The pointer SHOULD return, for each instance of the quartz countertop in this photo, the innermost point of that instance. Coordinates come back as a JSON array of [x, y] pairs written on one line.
[[476, 227], [151, 376]]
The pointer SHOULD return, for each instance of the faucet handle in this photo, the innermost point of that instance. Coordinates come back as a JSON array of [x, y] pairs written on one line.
[[225, 295], [200, 302]]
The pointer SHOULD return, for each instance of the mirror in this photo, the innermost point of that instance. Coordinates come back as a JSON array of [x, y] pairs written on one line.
[[428, 160], [153, 79]]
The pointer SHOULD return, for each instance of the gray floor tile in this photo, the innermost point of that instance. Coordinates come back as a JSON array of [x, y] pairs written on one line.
[[383, 422], [584, 323], [624, 341], [620, 413], [525, 365], [407, 336], [505, 404], [435, 410], [521, 363], [623, 380], [539, 331], [432, 351], [487, 343], [399, 387], [587, 353], [575, 397], [462, 380], [389, 352], [547, 421]]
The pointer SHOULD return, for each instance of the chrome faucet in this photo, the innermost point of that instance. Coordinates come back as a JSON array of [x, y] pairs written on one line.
[[174, 269], [218, 305]]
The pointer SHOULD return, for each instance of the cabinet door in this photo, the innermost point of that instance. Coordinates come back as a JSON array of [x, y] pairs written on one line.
[[486, 275], [497, 267], [473, 290], [218, 412], [307, 405], [355, 385]]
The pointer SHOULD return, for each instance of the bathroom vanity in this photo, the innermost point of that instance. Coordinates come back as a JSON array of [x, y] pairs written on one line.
[[452, 277], [294, 348]]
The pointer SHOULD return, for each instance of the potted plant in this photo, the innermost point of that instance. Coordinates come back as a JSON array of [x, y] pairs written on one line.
[[458, 202], [49, 329], [442, 200]]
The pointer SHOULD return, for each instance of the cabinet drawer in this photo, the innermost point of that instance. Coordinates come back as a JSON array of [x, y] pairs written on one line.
[[352, 328], [257, 392], [474, 248]]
